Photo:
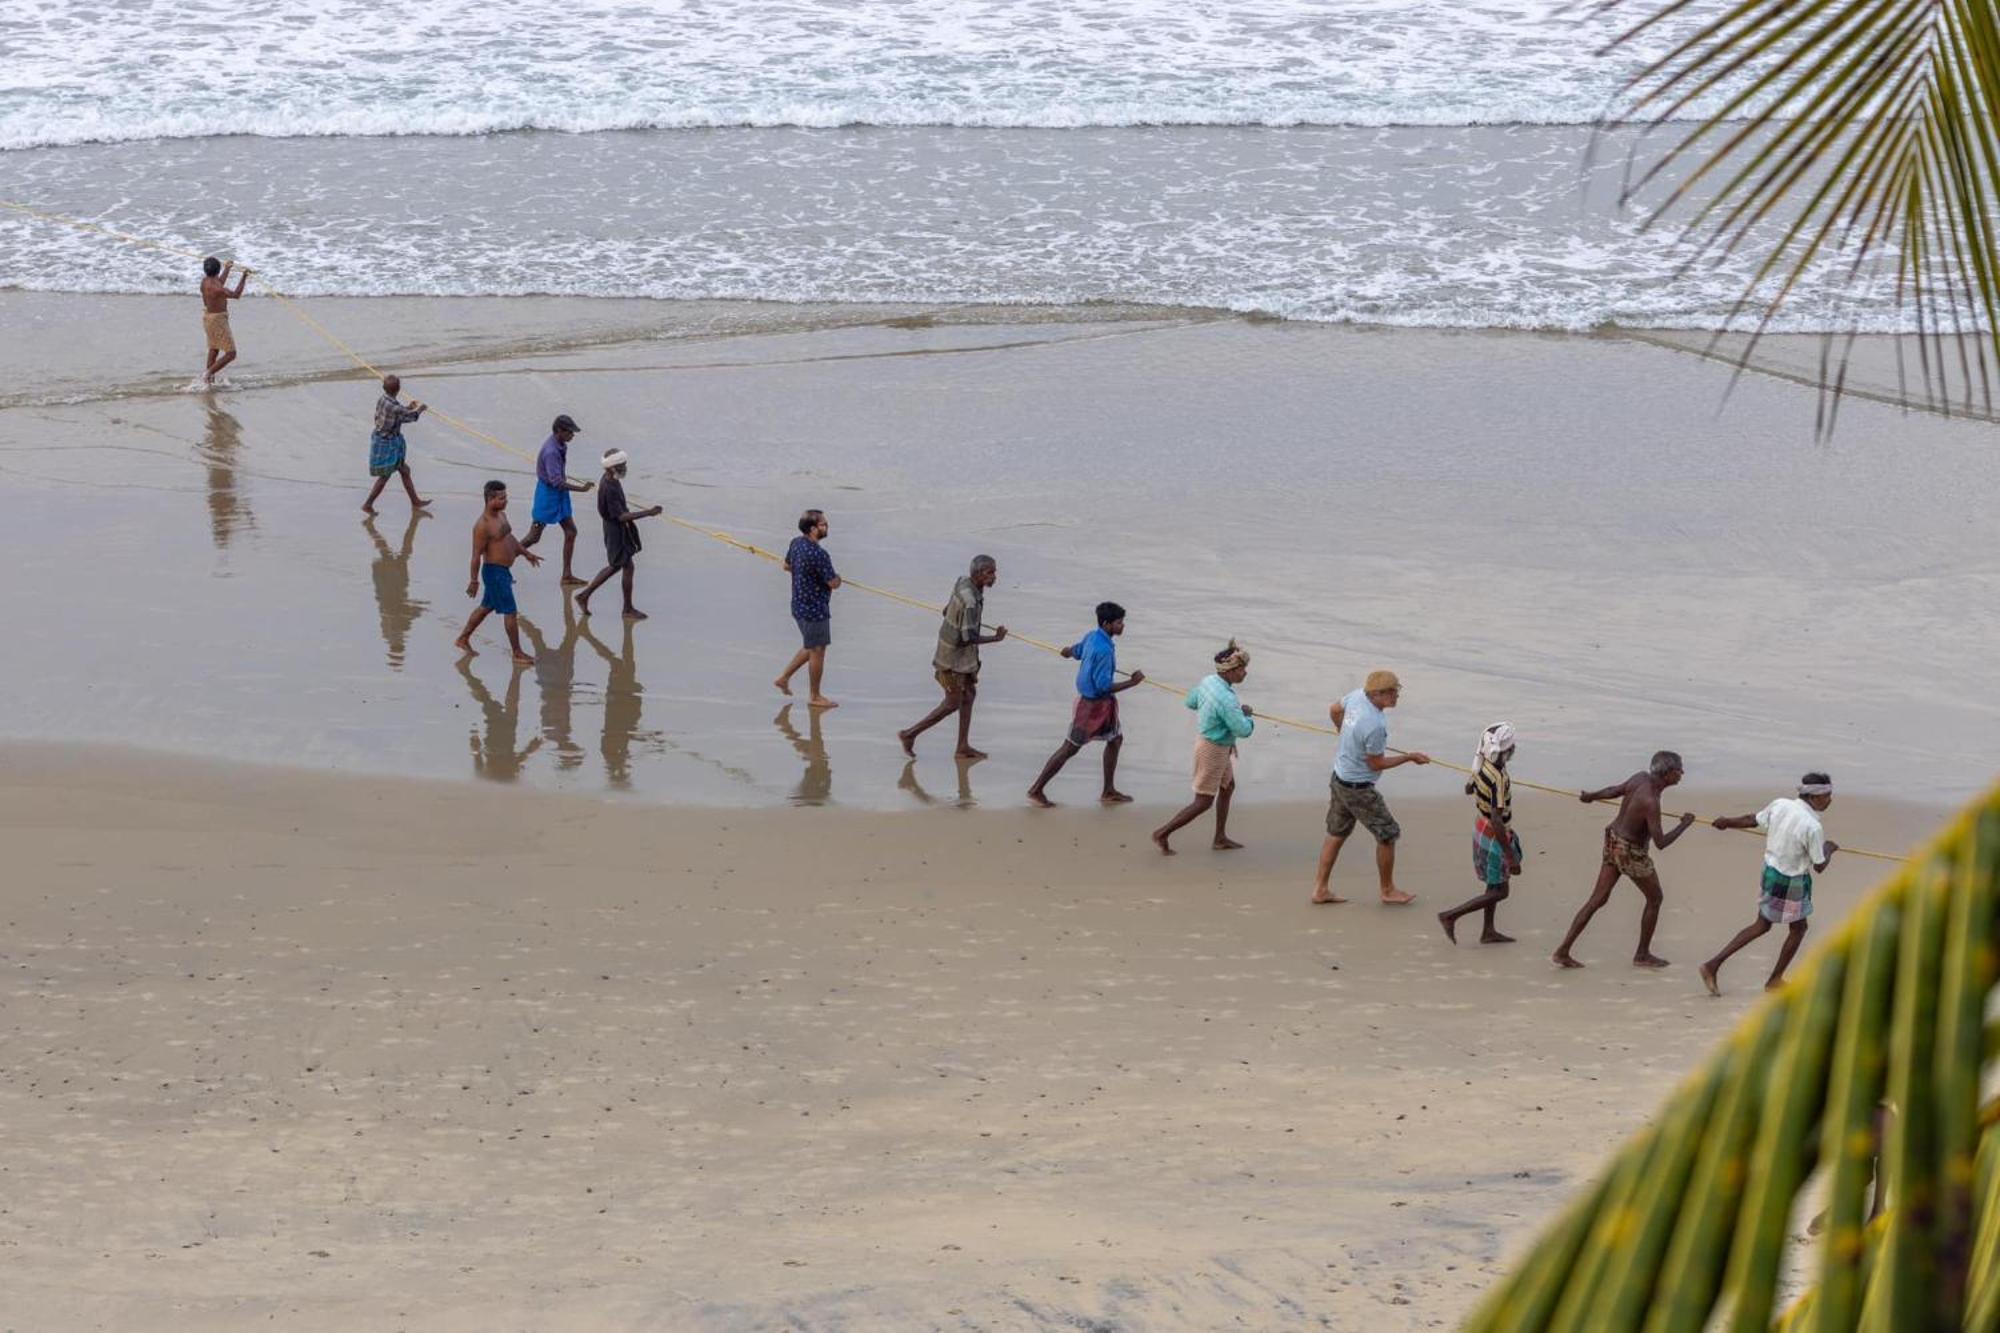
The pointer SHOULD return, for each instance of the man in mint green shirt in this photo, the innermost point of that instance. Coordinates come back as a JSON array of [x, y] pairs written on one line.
[[1223, 720]]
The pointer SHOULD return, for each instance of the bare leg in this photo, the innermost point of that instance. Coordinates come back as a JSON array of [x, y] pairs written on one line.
[[1385, 870], [216, 364], [368, 505], [1485, 902], [1607, 876], [1750, 934], [513, 624], [1649, 917], [815, 675], [909, 735], [784, 680], [464, 643], [1064, 753], [1795, 935], [1329, 852], [965, 750], [631, 612], [208, 367], [410, 488], [534, 535], [1190, 812], [1223, 842], [604, 576], [1112, 796], [569, 578]]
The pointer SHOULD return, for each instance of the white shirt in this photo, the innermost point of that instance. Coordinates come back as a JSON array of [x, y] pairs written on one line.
[[1795, 843]]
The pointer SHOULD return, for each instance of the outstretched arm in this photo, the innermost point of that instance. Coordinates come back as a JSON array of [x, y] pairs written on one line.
[[1136, 678], [242, 281], [1735, 821], [1664, 840], [1606, 793]]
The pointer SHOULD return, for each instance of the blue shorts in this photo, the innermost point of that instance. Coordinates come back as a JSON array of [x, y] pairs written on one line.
[[551, 503], [498, 581], [814, 633]]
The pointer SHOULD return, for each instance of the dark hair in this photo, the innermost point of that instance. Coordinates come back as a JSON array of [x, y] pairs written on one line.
[[211, 266], [1108, 612], [494, 487], [1815, 779], [810, 520], [1665, 762]]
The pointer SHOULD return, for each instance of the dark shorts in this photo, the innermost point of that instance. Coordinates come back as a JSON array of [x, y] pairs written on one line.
[[1347, 806], [1632, 860], [551, 504], [814, 633], [498, 581], [1095, 720], [957, 682], [621, 544]]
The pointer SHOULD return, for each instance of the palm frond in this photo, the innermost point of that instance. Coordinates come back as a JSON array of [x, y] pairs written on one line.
[[1852, 148]]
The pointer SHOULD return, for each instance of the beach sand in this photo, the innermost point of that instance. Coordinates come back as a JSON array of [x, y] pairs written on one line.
[[280, 1048]]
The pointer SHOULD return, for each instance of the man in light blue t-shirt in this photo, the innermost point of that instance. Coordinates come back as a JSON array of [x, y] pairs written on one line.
[[1363, 722]]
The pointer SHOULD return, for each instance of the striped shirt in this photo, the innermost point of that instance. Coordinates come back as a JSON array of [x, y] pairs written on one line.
[[1493, 792], [390, 416], [958, 635], [1795, 841]]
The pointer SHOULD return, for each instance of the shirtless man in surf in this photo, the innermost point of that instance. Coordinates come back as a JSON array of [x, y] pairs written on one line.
[[1628, 841], [494, 548], [215, 299]]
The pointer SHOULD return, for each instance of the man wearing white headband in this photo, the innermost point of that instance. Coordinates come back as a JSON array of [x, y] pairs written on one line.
[[621, 533], [1795, 846], [1496, 848]]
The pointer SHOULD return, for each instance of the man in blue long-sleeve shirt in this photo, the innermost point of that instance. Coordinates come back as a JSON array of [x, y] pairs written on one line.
[[1096, 714], [552, 492]]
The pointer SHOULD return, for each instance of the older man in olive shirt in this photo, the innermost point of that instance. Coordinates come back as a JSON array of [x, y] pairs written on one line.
[[956, 661]]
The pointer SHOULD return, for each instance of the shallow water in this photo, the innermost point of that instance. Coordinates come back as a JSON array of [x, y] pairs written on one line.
[[1564, 532]]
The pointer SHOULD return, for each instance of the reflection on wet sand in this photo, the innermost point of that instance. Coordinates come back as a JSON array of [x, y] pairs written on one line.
[[555, 677], [816, 784], [493, 752], [228, 511], [965, 799], [622, 701], [391, 572]]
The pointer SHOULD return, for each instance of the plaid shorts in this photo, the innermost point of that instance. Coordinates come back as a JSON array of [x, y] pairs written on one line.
[[1784, 898], [1493, 849]]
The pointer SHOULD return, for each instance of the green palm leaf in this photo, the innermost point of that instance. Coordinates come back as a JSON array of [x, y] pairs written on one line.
[[1847, 144]]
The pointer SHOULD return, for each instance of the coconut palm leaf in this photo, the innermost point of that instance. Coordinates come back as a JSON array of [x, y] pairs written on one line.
[[1870, 1062], [1846, 145]]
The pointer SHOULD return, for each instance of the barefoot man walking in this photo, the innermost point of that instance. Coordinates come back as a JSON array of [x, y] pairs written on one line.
[[215, 299], [388, 451], [956, 661], [813, 584], [1223, 720], [494, 548], [1795, 848], [1096, 714], [1628, 841], [1362, 719], [552, 491], [1496, 848], [621, 533]]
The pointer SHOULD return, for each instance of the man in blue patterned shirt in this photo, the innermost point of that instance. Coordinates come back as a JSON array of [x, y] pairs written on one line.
[[813, 582]]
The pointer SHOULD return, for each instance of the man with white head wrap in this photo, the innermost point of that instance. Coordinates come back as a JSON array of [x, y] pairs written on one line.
[[621, 533], [1795, 846], [1496, 848]]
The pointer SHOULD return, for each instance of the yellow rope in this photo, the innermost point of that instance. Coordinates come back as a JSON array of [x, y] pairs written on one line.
[[717, 535]]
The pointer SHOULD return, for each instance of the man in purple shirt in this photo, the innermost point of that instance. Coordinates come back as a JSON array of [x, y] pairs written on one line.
[[552, 492]]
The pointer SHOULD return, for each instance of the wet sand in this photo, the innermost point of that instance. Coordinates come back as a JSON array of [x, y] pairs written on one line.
[[285, 1049], [1573, 533]]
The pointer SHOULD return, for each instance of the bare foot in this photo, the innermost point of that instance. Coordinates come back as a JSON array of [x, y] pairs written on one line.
[[819, 701], [1036, 798], [420, 503], [1115, 797], [1227, 845], [1321, 898], [465, 647], [522, 659], [1494, 937], [967, 753], [1649, 960], [1450, 925], [1774, 985], [368, 509], [572, 581], [1708, 978], [583, 608], [909, 743], [784, 686], [1396, 897], [1561, 959], [637, 615], [1160, 841]]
